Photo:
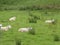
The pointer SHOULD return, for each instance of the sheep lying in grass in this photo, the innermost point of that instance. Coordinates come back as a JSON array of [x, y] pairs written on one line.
[[50, 21], [12, 18], [0, 26], [25, 29], [6, 28]]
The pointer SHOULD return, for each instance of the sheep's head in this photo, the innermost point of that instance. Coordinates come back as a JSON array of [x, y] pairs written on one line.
[[30, 28], [14, 17]]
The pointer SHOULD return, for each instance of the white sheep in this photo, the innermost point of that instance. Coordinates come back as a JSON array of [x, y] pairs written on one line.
[[0, 26], [50, 21], [12, 18], [6, 28], [25, 29]]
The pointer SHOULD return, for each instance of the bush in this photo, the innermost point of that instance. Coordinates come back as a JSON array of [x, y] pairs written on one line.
[[30, 14], [32, 20], [36, 17], [56, 38], [18, 42], [33, 7], [32, 32], [22, 8], [46, 12]]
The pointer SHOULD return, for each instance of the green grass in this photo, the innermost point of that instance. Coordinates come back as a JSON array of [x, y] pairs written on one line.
[[44, 32], [29, 2], [17, 4]]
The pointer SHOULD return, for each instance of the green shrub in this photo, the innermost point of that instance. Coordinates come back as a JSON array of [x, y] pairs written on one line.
[[18, 42], [32, 20], [32, 32], [36, 17], [56, 38]]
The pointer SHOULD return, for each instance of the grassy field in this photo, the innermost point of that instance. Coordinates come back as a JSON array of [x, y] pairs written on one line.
[[17, 4], [44, 32], [29, 2]]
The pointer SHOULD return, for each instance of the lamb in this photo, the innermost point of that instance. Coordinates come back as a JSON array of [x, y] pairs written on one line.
[[25, 29], [6, 28], [12, 18], [50, 21]]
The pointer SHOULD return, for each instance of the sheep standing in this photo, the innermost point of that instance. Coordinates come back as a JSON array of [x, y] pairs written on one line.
[[24, 29], [6, 28], [12, 18]]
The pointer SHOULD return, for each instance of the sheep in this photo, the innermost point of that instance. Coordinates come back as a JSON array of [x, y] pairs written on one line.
[[50, 21], [12, 18], [6, 28], [25, 29], [0, 26]]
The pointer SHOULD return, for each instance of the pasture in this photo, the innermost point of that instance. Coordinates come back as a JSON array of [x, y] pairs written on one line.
[[44, 32]]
